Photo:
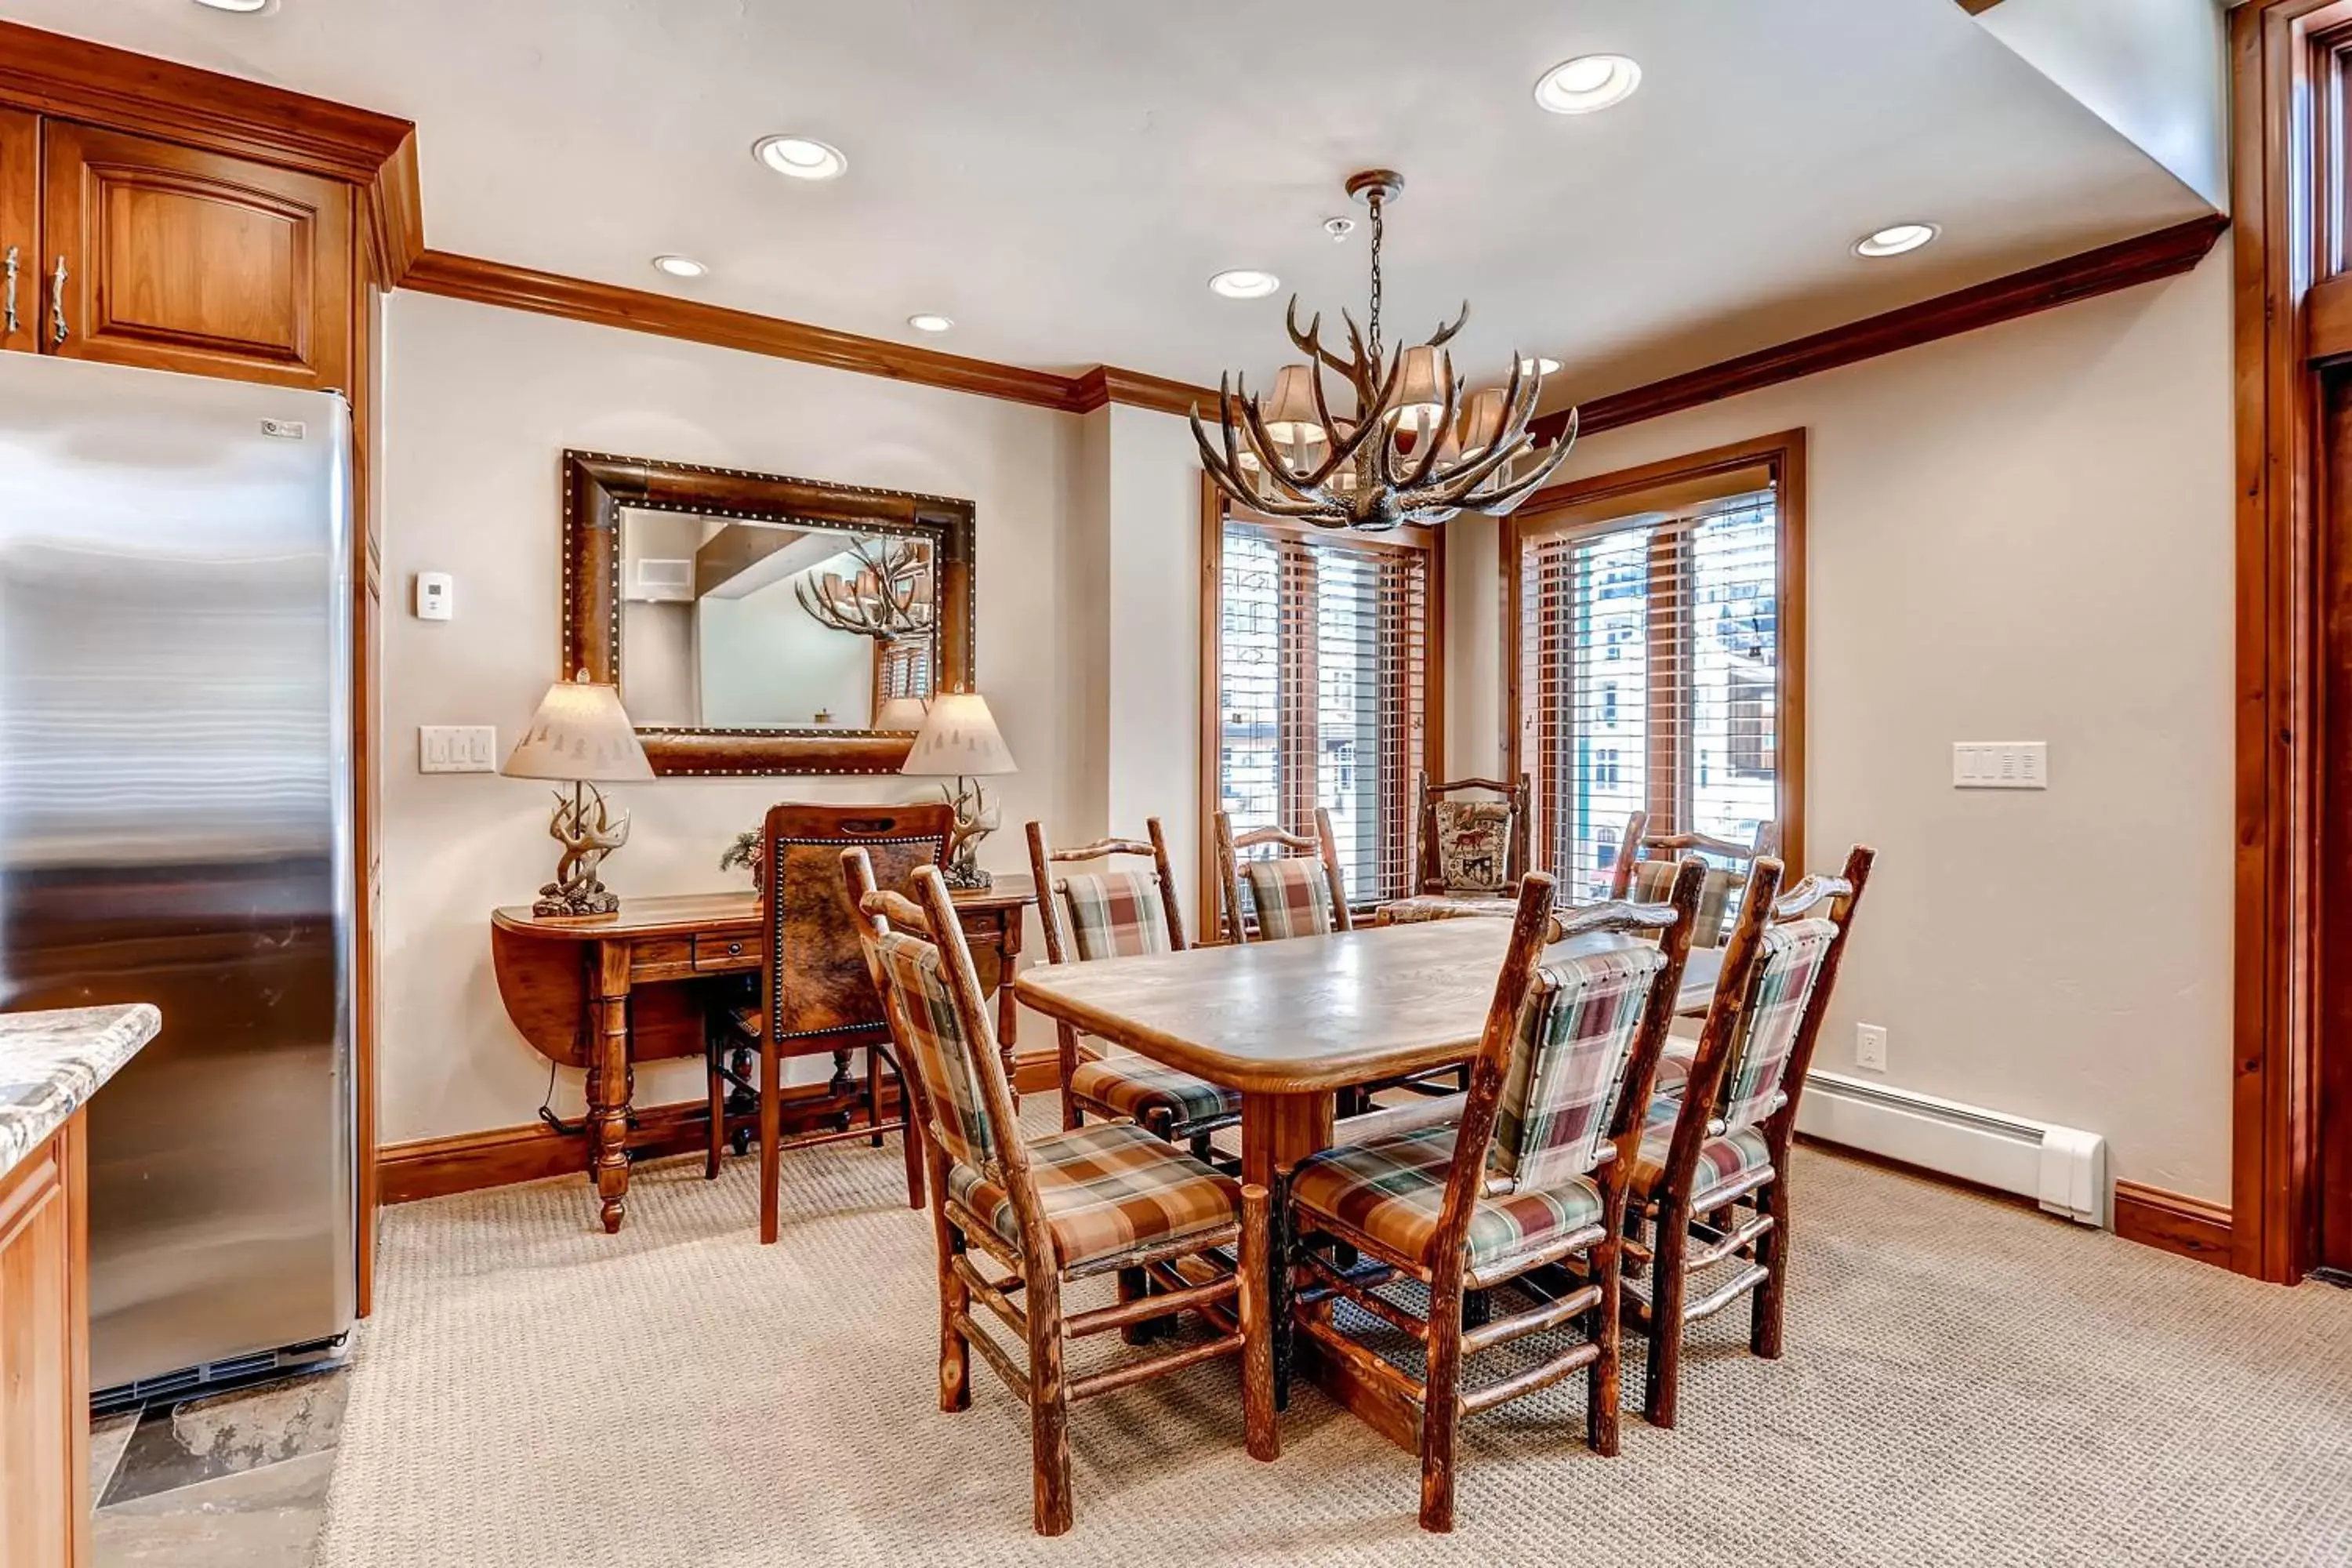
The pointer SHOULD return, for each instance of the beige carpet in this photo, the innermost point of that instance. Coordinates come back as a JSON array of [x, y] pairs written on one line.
[[1968, 1384]]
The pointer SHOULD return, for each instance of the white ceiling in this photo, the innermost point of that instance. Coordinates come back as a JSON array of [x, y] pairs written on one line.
[[1062, 176]]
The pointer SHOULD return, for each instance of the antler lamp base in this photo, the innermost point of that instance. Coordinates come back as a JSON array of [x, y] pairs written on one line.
[[589, 831]]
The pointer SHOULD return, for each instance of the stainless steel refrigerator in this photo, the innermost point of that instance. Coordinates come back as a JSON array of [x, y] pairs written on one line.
[[175, 827]]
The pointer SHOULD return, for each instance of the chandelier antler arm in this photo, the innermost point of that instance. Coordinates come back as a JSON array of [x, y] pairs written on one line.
[[1310, 341], [1446, 334], [1367, 368], [1504, 501]]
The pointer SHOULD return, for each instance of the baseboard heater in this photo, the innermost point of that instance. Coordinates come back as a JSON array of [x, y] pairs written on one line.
[[2063, 1169]]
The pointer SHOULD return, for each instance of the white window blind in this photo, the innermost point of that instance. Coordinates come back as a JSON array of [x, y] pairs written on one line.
[[1650, 659], [1323, 665]]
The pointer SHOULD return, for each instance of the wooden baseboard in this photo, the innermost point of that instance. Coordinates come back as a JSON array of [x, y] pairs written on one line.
[[499, 1156], [1036, 1072], [2189, 1226]]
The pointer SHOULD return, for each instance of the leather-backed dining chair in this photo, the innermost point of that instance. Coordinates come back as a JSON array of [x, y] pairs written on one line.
[[815, 995], [1075, 1205], [1535, 1174], [1111, 913], [1298, 891], [1711, 1178]]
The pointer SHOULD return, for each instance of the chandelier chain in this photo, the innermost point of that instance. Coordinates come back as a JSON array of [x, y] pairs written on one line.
[[1380, 229]]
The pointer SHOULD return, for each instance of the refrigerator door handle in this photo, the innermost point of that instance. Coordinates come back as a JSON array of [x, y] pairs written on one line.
[[58, 303], [8, 307]]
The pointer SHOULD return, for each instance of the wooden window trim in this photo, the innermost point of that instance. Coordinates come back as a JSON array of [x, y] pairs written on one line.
[[1215, 511], [1779, 460]]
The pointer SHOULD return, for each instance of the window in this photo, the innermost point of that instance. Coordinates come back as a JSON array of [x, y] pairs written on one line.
[[1320, 670], [1657, 657]]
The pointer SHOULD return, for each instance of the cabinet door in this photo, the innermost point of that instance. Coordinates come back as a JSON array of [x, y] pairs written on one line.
[[20, 230], [177, 259], [44, 1364]]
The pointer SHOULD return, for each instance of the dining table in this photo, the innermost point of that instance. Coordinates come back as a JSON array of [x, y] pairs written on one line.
[[1288, 1024]]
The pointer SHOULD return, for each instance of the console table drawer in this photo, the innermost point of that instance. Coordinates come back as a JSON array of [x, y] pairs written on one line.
[[662, 958], [726, 952]]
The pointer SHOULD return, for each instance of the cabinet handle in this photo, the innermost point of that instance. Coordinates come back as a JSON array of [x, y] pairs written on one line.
[[8, 306], [57, 304]]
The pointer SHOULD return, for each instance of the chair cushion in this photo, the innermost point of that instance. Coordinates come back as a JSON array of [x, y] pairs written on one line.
[[1292, 896], [1116, 914], [1473, 846], [1105, 1189], [1393, 1190], [1722, 1158], [1442, 907], [1168, 1101], [1674, 1067]]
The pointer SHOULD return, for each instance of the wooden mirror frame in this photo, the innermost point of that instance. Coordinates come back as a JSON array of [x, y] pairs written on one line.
[[597, 485]]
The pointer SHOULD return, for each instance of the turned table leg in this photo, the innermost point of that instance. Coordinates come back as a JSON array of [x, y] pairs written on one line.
[[608, 1084], [1278, 1130]]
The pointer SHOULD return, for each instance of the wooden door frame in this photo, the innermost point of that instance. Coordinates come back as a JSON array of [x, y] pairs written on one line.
[[2284, 61]]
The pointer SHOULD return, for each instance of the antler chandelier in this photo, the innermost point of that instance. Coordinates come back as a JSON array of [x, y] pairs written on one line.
[[1409, 448], [889, 598]]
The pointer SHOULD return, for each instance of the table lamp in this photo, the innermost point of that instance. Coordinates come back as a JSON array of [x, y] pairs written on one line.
[[901, 713], [959, 741], [583, 735]]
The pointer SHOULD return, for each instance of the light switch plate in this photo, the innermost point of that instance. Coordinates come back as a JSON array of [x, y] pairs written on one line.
[[2001, 764], [457, 749]]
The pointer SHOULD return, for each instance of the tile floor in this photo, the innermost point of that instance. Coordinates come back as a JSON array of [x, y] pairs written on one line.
[[227, 1478]]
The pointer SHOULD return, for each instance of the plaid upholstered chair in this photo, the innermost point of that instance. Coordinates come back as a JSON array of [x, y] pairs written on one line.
[[1077, 1205], [1534, 1175], [1711, 1178], [1298, 891], [1121, 914], [1646, 864]]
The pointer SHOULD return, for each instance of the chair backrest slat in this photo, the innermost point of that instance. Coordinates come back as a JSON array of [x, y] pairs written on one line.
[[1647, 863]]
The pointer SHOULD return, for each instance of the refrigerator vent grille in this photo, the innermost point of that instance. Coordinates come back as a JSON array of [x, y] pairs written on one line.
[[213, 1376]]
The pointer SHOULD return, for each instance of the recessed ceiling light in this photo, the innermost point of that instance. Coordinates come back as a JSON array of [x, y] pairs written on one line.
[[1588, 82], [927, 321], [1245, 283], [1895, 239], [242, 6], [1537, 366], [802, 157], [679, 266]]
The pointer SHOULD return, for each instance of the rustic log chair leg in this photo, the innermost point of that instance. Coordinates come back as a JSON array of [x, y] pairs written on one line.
[[1766, 1306], [1668, 1276], [955, 1297], [874, 1093], [1049, 1405], [1204, 1148], [1604, 1325], [1261, 1430], [1283, 1240], [1134, 1283], [1439, 1416]]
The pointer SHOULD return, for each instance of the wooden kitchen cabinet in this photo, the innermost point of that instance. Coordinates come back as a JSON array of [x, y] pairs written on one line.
[[20, 230], [44, 1356], [176, 258]]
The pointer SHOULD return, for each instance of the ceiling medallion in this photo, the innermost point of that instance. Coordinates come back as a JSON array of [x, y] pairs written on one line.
[[1409, 447]]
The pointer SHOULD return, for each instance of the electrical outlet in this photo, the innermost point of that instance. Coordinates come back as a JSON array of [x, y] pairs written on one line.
[[457, 749], [1870, 1046]]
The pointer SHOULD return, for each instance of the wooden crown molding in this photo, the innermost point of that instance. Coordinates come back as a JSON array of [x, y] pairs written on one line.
[[2164, 253], [76, 80], [1109, 384], [1978, 8]]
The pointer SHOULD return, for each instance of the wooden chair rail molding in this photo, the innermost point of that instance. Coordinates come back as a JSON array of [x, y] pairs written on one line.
[[76, 79]]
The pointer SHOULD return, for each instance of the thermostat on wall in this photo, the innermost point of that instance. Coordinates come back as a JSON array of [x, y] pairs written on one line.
[[435, 595]]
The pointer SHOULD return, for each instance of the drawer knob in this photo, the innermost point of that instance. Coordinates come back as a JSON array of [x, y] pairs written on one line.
[[735, 948]]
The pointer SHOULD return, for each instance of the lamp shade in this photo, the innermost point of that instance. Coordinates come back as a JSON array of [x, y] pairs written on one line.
[[901, 713], [1421, 391], [1482, 418], [1291, 417], [958, 739], [581, 733]]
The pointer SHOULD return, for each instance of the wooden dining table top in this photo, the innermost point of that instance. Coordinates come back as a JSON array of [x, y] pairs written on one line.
[[1308, 1012]]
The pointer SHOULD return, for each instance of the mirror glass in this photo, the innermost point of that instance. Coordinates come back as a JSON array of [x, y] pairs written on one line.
[[731, 623]]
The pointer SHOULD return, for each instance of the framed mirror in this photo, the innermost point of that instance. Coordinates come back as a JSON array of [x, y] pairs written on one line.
[[758, 624]]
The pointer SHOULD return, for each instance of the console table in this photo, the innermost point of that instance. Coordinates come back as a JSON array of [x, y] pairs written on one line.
[[610, 990]]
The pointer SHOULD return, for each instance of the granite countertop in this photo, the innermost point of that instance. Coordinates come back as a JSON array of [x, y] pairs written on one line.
[[51, 1063]]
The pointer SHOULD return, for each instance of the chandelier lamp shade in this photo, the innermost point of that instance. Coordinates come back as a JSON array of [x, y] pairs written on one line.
[[1404, 445]]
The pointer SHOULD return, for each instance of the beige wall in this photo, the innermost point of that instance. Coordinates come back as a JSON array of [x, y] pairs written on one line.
[[480, 402], [2021, 534]]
